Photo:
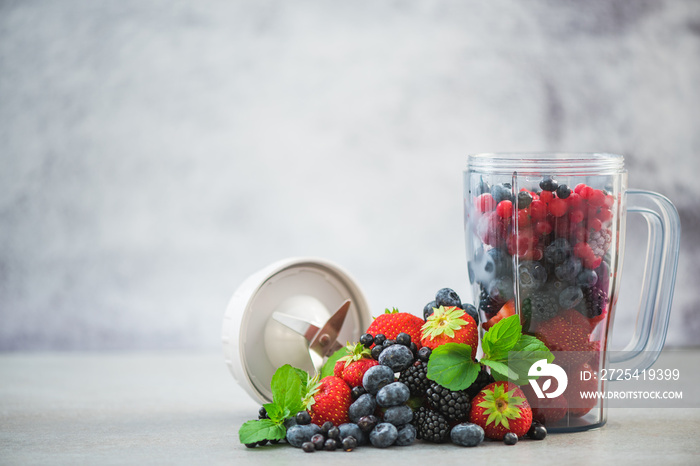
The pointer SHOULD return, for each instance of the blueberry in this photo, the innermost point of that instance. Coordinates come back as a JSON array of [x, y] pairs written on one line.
[[262, 413], [303, 418], [467, 434], [397, 357], [296, 435], [384, 435], [570, 297], [334, 433], [367, 340], [318, 440], [414, 349], [251, 445], [487, 265], [351, 430], [501, 192], [290, 421], [510, 439], [501, 289], [424, 353], [558, 252], [363, 406], [524, 199], [568, 270], [537, 431], [403, 339], [563, 191], [394, 394], [398, 415], [308, 447], [326, 427], [447, 297], [406, 436], [262, 442], [379, 339], [349, 443], [376, 377], [471, 310], [548, 184], [482, 187], [429, 309], [330, 445], [367, 423], [531, 275], [376, 351], [388, 343], [357, 392], [587, 278]]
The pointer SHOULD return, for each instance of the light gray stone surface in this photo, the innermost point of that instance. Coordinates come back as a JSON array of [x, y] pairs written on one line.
[[177, 408], [153, 154]]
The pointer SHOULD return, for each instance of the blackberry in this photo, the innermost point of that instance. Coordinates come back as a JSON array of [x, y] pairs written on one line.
[[594, 301], [431, 426], [415, 378], [488, 305], [454, 405], [482, 379], [543, 306]]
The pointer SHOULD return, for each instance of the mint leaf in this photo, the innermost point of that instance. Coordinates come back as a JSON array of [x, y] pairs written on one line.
[[524, 354], [501, 338], [304, 378], [499, 369], [328, 367], [274, 411], [263, 429], [451, 366], [286, 389]]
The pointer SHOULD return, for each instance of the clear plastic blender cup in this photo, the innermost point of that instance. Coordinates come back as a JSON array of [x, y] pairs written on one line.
[[545, 236]]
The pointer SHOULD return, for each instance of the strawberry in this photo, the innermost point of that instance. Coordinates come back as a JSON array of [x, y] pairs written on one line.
[[499, 408], [450, 325], [507, 310], [329, 400], [352, 368], [391, 323], [546, 410], [569, 332], [579, 406]]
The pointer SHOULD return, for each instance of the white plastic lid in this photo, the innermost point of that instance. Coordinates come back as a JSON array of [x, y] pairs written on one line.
[[312, 289]]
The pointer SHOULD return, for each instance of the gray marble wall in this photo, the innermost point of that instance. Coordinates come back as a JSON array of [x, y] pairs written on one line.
[[153, 153]]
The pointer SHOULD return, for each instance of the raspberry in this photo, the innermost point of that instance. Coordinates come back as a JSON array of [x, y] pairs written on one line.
[[484, 202], [558, 207], [454, 405], [599, 242], [596, 198], [431, 426], [416, 378]]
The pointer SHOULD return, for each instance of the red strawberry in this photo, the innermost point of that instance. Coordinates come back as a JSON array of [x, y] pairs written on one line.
[[569, 332], [578, 405], [499, 408], [450, 325], [391, 323], [329, 400], [546, 410], [352, 368]]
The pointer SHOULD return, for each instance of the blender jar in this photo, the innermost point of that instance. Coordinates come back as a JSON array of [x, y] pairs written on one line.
[[545, 239]]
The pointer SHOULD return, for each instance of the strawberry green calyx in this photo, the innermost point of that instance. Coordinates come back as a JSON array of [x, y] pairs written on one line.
[[445, 320], [313, 386], [501, 406], [356, 352], [393, 310]]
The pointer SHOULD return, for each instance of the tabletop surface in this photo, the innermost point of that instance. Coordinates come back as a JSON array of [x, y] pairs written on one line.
[[185, 408]]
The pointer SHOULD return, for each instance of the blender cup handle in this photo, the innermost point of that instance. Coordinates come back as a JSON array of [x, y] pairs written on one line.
[[659, 279]]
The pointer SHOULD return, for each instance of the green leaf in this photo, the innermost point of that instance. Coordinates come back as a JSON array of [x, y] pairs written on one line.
[[451, 366], [263, 429], [286, 389], [304, 378], [274, 411], [524, 354], [499, 369], [328, 367], [501, 338]]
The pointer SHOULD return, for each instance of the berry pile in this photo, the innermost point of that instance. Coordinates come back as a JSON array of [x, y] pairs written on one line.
[[554, 242], [380, 394]]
